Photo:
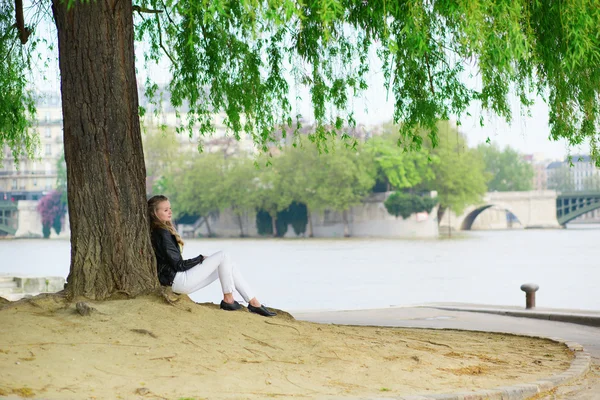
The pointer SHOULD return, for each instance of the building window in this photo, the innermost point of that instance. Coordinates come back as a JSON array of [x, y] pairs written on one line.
[[49, 183], [34, 182], [47, 116], [48, 149], [48, 133], [14, 184]]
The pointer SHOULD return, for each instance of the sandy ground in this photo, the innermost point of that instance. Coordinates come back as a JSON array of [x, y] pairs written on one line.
[[148, 348]]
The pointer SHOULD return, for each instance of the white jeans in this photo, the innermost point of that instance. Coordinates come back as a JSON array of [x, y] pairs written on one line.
[[218, 265]]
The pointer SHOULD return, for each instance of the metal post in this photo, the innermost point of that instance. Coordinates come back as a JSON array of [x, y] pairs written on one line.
[[529, 289]]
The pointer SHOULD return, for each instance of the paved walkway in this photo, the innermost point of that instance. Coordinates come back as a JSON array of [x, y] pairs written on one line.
[[480, 318]]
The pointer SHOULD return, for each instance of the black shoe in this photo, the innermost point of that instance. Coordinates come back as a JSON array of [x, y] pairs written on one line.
[[262, 310], [230, 306]]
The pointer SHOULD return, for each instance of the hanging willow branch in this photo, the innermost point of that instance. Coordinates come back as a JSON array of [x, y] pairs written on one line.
[[24, 32]]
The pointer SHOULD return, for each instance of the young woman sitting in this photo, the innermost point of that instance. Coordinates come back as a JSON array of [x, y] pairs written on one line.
[[188, 276]]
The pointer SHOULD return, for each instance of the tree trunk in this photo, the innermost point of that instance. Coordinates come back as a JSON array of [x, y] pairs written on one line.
[[210, 233], [241, 224], [346, 227], [310, 225], [110, 241], [274, 224], [440, 213]]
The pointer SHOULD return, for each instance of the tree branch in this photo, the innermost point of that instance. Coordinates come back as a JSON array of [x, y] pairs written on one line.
[[429, 73], [160, 41], [143, 10], [24, 32]]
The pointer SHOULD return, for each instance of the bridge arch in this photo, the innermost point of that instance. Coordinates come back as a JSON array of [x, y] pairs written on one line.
[[577, 212], [469, 220]]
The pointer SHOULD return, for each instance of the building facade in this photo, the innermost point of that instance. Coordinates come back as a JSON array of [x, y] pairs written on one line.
[[578, 174], [32, 179]]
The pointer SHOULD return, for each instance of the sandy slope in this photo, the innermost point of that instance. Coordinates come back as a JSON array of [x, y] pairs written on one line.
[[148, 348]]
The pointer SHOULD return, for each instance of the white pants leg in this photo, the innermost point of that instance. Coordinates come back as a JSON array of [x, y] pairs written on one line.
[[218, 265]]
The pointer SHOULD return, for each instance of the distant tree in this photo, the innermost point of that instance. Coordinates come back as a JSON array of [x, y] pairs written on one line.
[[397, 167], [239, 188], [162, 153], [459, 172], [302, 167], [345, 178], [52, 210], [273, 191], [506, 169], [198, 186]]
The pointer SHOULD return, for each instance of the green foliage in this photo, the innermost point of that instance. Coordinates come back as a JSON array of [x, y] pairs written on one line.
[[264, 223], [161, 151], [234, 57], [459, 176], [343, 178], [16, 100], [405, 204], [296, 215], [198, 185], [506, 169], [428, 203], [398, 168], [46, 231], [273, 192], [239, 186]]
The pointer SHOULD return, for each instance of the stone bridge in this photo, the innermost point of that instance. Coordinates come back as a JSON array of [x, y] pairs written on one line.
[[533, 209]]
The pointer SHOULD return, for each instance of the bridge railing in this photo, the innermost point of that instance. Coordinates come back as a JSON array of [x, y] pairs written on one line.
[[8, 217], [574, 204]]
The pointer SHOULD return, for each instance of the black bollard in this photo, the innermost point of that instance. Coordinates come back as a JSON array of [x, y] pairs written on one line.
[[529, 289]]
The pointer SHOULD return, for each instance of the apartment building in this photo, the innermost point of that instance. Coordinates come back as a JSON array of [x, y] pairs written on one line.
[[32, 179]]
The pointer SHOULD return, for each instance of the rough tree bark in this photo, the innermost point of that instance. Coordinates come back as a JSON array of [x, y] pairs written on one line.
[[110, 242]]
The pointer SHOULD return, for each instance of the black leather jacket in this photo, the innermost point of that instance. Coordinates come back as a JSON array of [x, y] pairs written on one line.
[[168, 256]]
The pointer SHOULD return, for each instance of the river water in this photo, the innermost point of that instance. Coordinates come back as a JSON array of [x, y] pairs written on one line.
[[485, 267]]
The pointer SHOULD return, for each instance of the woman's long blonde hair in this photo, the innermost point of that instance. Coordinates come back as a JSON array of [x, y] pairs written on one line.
[[156, 223]]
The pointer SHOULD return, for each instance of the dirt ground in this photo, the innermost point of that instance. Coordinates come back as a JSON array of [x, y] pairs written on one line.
[[154, 348]]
